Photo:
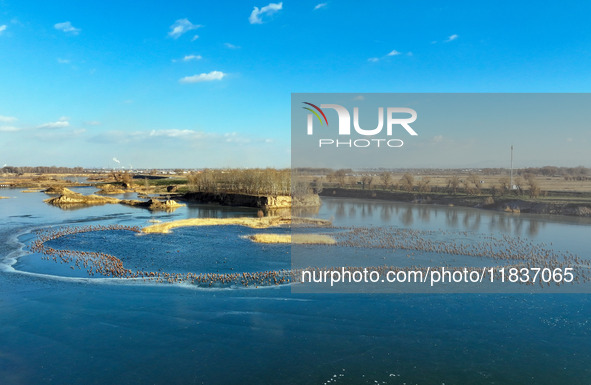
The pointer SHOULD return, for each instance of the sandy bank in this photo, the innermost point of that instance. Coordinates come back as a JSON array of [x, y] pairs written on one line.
[[113, 190], [266, 202], [75, 199], [154, 204], [301, 239], [58, 190], [255, 223], [4, 198], [71, 199]]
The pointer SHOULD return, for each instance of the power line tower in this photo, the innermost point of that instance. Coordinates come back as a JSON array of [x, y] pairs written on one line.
[[511, 182]]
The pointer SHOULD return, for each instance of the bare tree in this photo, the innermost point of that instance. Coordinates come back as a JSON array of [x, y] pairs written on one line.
[[407, 182], [474, 180], [504, 184], [340, 176], [453, 183], [423, 184], [534, 186], [248, 181], [386, 179], [366, 180]]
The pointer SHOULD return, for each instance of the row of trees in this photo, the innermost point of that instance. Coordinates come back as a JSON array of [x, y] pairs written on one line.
[[41, 170], [249, 181], [574, 173], [470, 184]]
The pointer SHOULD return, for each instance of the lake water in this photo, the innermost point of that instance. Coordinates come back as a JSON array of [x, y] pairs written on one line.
[[59, 326]]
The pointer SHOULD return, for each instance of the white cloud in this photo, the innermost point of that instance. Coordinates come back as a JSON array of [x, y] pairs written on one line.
[[180, 27], [67, 27], [7, 119], [452, 38], [63, 61], [231, 46], [192, 57], [204, 77], [2, 28], [61, 123], [234, 137], [195, 38], [188, 58], [391, 53], [438, 138], [9, 129], [176, 133], [267, 10], [321, 5]]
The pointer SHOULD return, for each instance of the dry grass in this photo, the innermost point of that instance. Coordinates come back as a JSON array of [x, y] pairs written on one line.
[[554, 183], [4, 198], [255, 223], [301, 239]]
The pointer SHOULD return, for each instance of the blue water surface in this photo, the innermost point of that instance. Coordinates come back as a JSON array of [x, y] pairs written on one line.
[[64, 329]]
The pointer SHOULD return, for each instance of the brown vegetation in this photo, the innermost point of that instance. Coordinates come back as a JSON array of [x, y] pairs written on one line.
[[107, 189], [301, 239], [247, 181], [256, 223], [407, 182]]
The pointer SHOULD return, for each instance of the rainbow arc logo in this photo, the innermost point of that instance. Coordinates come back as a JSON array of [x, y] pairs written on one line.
[[315, 113]]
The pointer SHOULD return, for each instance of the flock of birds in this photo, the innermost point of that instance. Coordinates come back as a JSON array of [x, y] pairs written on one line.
[[106, 265], [506, 250]]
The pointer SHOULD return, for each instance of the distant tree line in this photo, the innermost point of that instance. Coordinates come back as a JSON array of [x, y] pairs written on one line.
[[469, 184], [569, 173], [41, 170], [250, 181]]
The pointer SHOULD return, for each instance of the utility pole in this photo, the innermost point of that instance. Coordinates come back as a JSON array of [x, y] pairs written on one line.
[[511, 186]]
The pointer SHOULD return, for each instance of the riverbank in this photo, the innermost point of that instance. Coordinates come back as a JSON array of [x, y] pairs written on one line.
[[487, 202], [69, 199], [264, 202]]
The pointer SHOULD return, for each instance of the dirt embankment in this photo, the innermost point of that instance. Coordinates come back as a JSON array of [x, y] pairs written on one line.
[[69, 199], [76, 199], [267, 202], [513, 205], [109, 189], [154, 204], [58, 190]]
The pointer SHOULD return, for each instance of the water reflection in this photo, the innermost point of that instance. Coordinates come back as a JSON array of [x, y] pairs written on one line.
[[407, 217], [217, 211], [357, 212]]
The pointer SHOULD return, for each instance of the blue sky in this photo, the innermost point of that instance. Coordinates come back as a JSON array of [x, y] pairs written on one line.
[[208, 84]]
